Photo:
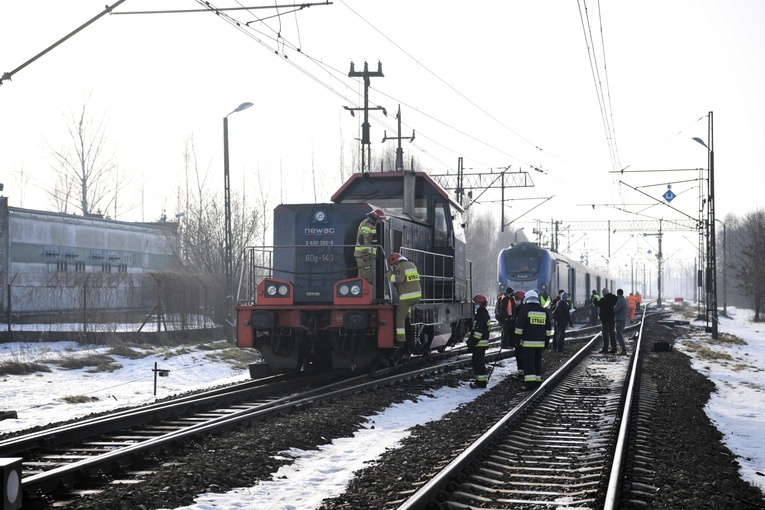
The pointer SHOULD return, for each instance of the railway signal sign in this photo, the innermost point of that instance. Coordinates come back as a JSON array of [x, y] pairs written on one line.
[[669, 195]]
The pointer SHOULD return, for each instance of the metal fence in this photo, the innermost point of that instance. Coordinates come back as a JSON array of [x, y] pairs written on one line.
[[84, 301]]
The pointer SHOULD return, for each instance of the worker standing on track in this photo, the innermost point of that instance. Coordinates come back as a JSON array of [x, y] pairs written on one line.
[[594, 308], [505, 315], [631, 307], [534, 325], [479, 341], [515, 339]]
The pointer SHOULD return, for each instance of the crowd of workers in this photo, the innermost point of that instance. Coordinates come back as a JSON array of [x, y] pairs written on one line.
[[531, 321]]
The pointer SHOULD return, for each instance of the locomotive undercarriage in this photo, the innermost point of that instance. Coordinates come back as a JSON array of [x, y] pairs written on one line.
[[290, 349]]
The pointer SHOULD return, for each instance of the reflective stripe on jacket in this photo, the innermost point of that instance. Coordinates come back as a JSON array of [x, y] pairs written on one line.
[[367, 235], [481, 327], [407, 280], [534, 325]]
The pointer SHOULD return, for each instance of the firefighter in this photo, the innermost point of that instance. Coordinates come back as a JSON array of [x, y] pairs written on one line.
[[365, 252], [515, 339], [479, 341], [403, 274], [534, 325]]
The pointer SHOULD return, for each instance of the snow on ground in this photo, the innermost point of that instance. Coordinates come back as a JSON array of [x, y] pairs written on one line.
[[39, 398], [737, 408]]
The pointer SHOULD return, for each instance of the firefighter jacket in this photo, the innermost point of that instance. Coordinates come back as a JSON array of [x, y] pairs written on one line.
[[407, 280], [366, 237], [534, 325], [480, 334]]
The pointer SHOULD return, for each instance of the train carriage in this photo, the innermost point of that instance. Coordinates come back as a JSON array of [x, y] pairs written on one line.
[[302, 303], [527, 266]]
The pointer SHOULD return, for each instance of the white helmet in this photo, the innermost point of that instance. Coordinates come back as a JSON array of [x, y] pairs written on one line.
[[532, 297]]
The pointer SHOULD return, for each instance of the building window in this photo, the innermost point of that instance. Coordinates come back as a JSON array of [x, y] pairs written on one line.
[[61, 265], [106, 267], [122, 268], [79, 266]]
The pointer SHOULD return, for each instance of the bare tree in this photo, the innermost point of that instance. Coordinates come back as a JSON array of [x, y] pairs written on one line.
[[747, 244], [87, 167], [202, 236]]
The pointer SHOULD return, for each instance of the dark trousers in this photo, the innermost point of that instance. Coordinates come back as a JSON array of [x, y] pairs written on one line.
[[560, 335], [609, 335], [479, 365], [507, 332], [620, 334], [532, 365], [515, 341]]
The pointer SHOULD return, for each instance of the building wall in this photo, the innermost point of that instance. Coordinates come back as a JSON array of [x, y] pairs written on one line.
[[52, 250]]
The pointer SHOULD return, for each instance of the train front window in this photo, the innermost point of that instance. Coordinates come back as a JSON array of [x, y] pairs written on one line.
[[516, 263]]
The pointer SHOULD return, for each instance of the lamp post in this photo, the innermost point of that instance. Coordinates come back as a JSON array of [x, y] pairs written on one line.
[[711, 277], [228, 236], [725, 270]]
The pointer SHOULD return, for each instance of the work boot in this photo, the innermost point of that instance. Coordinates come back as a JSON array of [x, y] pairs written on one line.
[[622, 352]]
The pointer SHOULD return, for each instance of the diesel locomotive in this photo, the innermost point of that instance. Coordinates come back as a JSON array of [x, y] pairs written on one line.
[[302, 303], [527, 266]]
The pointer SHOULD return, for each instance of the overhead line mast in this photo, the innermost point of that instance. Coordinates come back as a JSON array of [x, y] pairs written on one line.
[[462, 182], [399, 150], [366, 74]]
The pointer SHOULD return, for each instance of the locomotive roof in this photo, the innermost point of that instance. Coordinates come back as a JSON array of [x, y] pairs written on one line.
[[371, 186]]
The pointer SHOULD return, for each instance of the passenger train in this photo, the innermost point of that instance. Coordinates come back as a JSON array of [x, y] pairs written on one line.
[[302, 303], [526, 266]]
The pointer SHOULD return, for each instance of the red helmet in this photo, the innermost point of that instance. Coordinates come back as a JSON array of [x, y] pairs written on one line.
[[377, 214], [520, 294], [393, 258], [480, 299]]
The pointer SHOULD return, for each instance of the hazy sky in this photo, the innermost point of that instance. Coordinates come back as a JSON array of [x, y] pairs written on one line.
[[499, 83]]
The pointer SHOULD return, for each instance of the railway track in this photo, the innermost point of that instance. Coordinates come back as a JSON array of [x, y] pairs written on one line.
[[558, 447], [62, 463]]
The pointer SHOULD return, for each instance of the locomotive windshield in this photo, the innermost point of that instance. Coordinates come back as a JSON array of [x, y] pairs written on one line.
[[525, 262]]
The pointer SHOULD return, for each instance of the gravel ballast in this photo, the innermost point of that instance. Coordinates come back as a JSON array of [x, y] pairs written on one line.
[[692, 468]]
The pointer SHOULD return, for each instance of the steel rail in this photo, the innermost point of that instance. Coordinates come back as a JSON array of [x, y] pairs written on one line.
[[430, 493]]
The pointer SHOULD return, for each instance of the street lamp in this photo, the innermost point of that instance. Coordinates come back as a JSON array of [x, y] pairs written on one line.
[[711, 279], [227, 207]]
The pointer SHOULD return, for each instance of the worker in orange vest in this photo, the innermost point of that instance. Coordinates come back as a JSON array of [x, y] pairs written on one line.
[[631, 307]]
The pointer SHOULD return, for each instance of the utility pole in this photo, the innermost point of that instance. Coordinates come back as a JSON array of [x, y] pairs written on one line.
[[366, 74], [399, 150], [659, 256]]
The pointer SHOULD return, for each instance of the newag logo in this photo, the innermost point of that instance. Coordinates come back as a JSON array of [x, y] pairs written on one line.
[[325, 231]]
